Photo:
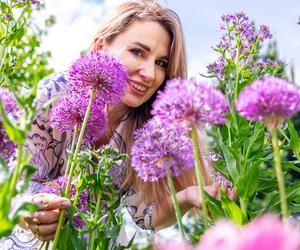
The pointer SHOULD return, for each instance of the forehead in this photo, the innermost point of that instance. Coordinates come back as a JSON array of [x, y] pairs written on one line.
[[150, 33]]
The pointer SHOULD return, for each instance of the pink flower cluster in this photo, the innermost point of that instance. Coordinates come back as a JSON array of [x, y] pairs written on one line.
[[266, 232]]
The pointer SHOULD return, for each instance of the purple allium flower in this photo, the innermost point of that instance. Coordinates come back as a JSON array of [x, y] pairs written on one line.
[[270, 100], [101, 71], [61, 182], [190, 102], [70, 111], [7, 147], [157, 147]]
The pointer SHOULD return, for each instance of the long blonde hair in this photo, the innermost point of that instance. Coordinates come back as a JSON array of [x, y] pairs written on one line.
[[117, 22]]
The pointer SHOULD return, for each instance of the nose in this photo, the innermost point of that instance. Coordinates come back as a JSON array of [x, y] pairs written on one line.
[[147, 72]]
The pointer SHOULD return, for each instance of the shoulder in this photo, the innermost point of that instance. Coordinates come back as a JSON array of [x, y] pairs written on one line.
[[52, 85]]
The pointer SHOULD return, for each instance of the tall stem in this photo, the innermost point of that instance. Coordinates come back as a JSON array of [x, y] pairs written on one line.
[[17, 171], [75, 133], [83, 127], [93, 234], [199, 175], [175, 204], [279, 175]]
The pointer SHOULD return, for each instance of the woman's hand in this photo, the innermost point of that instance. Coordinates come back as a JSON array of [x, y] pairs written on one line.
[[43, 223], [193, 196]]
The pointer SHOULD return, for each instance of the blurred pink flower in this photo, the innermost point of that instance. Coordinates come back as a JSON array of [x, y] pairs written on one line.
[[173, 245], [224, 235], [269, 232]]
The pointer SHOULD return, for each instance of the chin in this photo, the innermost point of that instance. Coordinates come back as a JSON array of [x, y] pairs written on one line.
[[131, 103]]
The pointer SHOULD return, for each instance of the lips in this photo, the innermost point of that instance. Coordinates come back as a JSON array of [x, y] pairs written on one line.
[[136, 87]]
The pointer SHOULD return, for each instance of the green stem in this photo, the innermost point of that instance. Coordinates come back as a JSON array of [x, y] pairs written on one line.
[[83, 127], [47, 245], [237, 72], [75, 133], [243, 205], [93, 234], [17, 171], [175, 204], [279, 175], [199, 175]]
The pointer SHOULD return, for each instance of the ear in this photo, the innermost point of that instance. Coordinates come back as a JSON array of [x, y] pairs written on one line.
[[98, 44]]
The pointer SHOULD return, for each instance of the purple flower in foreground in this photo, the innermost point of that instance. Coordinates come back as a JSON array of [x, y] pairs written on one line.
[[61, 182], [70, 111], [190, 102], [102, 72], [157, 148], [270, 100], [269, 232], [224, 235], [266, 232], [7, 147]]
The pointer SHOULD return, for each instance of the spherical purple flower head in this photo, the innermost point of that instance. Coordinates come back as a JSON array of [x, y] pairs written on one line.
[[101, 71], [70, 111], [270, 100], [157, 147], [7, 147], [190, 102], [61, 182]]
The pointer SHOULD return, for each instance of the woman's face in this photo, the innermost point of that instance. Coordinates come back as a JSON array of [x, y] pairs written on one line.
[[144, 49]]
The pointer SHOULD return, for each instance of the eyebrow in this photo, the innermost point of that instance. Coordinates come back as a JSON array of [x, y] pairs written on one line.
[[147, 48]]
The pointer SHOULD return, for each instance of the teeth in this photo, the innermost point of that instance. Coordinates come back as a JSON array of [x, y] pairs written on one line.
[[138, 87]]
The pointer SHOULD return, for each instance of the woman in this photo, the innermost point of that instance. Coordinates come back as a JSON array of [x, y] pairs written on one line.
[[149, 41]]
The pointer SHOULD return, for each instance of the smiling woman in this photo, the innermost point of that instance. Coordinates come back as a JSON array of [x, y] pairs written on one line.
[[148, 40]]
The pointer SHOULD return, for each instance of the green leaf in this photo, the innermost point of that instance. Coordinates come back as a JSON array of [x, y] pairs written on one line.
[[231, 209], [215, 208], [292, 192], [248, 183], [14, 133], [294, 137], [231, 162], [4, 172]]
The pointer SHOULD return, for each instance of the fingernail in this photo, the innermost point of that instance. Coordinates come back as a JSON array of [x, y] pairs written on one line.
[[66, 204]]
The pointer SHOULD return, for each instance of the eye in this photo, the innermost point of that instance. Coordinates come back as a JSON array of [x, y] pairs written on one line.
[[162, 63], [137, 52]]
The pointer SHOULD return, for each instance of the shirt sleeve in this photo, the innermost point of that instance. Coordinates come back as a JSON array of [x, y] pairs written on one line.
[[47, 146]]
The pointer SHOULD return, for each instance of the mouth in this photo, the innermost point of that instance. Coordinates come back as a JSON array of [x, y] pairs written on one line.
[[137, 88]]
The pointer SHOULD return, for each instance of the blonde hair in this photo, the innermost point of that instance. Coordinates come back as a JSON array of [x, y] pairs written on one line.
[[116, 23]]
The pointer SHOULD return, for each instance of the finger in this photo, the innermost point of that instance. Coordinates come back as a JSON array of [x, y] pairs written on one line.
[[232, 194], [212, 190], [224, 186], [51, 201], [43, 217], [46, 237], [43, 229]]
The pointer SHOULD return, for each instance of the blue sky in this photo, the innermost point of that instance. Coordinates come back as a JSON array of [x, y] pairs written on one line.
[[77, 21]]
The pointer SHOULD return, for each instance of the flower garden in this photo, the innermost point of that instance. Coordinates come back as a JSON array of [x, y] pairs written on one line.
[[247, 110]]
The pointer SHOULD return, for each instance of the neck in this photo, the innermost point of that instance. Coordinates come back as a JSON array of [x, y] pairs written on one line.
[[116, 112]]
